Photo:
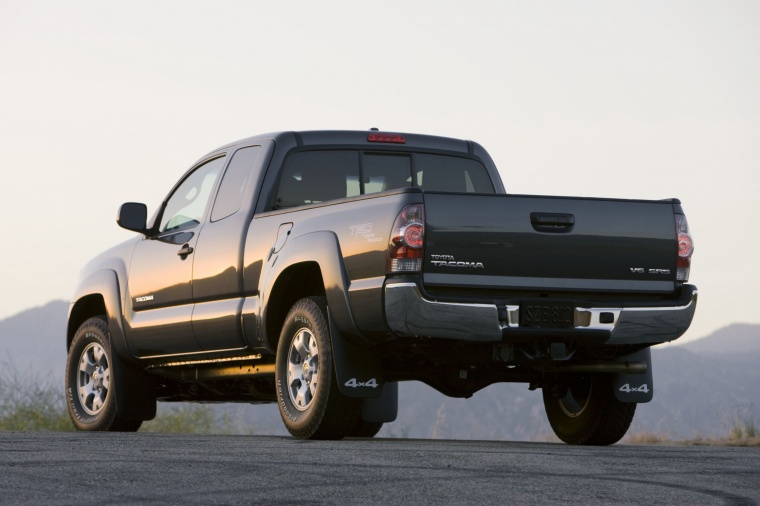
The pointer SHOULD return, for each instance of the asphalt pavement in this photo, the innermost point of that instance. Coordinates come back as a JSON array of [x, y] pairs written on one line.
[[148, 468]]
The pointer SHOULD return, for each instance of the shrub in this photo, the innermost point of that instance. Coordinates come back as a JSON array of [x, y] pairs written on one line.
[[32, 402], [188, 419]]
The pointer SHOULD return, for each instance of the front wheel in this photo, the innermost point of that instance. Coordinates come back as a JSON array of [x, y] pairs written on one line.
[[90, 382], [585, 411], [310, 403]]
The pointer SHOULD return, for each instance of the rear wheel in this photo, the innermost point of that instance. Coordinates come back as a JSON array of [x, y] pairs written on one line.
[[90, 382], [585, 411], [310, 403]]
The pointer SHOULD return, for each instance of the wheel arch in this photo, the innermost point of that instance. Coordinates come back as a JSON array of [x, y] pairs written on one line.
[[82, 310], [296, 282], [99, 294], [317, 258]]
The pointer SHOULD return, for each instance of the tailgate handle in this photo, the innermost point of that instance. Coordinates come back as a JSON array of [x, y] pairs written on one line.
[[555, 223]]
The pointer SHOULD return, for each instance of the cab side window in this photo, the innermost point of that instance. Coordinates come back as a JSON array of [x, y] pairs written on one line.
[[230, 195], [187, 205]]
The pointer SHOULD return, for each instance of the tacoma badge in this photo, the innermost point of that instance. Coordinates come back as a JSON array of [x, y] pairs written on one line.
[[449, 261]]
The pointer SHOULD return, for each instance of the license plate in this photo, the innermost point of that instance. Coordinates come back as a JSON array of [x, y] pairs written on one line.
[[546, 315]]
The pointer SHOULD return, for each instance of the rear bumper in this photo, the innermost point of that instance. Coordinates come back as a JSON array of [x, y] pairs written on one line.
[[408, 313]]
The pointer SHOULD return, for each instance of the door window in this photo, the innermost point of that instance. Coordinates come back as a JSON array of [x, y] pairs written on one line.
[[187, 205]]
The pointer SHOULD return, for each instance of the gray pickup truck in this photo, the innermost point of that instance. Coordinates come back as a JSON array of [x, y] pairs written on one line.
[[319, 269]]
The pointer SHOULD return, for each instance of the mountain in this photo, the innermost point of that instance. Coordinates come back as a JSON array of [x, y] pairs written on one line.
[[736, 338], [701, 388], [34, 341], [700, 394]]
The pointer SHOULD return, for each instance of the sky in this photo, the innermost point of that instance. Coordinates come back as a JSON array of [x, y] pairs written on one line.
[[107, 102]]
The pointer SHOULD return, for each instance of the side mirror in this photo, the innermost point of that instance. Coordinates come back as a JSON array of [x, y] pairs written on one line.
[[133, 216]]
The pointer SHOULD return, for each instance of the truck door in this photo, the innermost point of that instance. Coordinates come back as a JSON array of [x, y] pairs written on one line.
[[160, 305], [218, 263]]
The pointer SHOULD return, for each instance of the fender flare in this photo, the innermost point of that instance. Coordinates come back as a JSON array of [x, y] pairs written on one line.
[[105, 284], [323, 249], [136, 402], [351, 356]]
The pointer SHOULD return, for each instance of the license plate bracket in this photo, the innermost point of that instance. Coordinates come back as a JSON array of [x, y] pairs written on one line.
[[547, 315]]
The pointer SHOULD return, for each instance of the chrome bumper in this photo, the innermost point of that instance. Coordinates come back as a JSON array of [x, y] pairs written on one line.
[[409, 314]]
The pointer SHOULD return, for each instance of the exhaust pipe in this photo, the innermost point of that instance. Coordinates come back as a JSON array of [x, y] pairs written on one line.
[[603, 367]]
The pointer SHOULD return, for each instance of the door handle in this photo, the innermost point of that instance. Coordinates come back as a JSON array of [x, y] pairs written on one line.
[[185, 250]]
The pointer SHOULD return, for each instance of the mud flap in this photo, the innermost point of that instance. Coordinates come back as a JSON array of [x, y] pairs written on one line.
[[357, 368], [136, 400], [635, 387], [384, 408]]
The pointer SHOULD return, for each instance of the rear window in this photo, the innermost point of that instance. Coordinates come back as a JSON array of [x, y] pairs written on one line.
[[311, 177], [451, 174]]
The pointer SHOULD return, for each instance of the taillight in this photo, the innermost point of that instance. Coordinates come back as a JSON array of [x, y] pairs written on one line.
[[407, 240], [685, 248]]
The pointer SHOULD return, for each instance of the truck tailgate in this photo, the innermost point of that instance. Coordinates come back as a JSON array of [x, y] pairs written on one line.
[[541, 243]]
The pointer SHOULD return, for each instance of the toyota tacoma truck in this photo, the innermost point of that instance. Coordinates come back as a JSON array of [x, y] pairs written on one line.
[[318, 269]]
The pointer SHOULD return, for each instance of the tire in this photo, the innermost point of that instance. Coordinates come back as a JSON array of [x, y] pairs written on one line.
[[364, 428], [587, 411], [310, 403], [90, 384]]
